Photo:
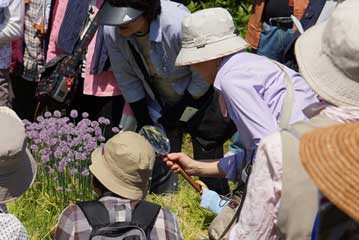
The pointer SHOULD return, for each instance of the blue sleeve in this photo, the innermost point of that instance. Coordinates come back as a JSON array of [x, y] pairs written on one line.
[[232, 165]]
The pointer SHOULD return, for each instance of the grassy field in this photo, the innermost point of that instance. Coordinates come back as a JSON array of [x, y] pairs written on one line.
[[39, 212]]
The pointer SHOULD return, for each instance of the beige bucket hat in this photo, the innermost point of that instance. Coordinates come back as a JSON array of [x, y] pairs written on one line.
[[208, 34], [17, 166], [328, 56], [124, 165], [330, 156]]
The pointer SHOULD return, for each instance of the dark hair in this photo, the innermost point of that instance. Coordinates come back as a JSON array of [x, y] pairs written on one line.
[[151, 8], [97, 184]]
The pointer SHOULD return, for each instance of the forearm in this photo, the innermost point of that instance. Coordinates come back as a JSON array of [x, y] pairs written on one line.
[[207, 168], [14, 21]]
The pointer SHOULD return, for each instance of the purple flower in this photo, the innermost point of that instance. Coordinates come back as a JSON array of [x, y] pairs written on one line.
[[101, 139], [57, 114], [58, 154], [115, 130], [98, 132], [59, 189], [53, 142], [47, 114], [102, 120], [49, 170], [26, 122], [85, 172], [74, 114], [107, 121], [78, 155], [34, 148], [61, 166], [85, 115], [94, 124], [40, 118], [45, 158], [74, 171]]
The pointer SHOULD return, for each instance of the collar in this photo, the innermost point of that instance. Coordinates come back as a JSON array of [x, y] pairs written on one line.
[[155, 34]]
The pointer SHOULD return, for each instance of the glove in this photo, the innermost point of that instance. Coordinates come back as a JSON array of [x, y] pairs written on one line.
[[212, 201]]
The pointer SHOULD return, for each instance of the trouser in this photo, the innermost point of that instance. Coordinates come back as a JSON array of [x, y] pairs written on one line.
[[24, 102], [6, 91], [165, 181]]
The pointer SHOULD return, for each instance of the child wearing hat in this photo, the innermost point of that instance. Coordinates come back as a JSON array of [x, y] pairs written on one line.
[[121, 176], [17, 171]]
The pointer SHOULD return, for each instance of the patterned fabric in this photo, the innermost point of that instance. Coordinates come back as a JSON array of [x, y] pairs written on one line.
[[33, 44], [73, 223], [258, 217], [11, 228], [5, 51]]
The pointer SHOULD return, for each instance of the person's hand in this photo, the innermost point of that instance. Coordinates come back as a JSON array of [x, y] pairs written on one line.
[[176, 161]]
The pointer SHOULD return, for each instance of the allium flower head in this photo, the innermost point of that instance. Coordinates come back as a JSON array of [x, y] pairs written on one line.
[[57, 114], [115, 130], [47, 114], [85, 115], [74, 113], [40, 118]]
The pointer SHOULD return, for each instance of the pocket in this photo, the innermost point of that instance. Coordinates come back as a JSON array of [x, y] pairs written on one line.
[[4, 3]]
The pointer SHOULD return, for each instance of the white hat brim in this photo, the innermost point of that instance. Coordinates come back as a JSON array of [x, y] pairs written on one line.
[[326, 79], [210, 51]]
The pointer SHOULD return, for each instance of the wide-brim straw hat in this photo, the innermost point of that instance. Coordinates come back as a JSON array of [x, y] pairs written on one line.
[[208, 34], [17, 165], [328, 56], [330, 156], [124, 165]]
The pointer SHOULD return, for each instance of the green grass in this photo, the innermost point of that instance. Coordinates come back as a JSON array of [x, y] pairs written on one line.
[[39, 212]]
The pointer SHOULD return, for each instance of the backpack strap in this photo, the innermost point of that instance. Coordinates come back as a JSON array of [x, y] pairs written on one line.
[[95, 213], [145, 215], [286, 111]]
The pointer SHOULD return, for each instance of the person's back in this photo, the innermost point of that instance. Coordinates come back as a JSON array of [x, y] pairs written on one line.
[[121, 172]]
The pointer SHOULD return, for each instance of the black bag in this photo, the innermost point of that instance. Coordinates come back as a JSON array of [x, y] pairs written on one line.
[[208, 126], [143, 219], [61, 75]]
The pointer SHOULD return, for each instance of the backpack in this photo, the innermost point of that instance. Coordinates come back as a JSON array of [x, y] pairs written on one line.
[[143, 219]]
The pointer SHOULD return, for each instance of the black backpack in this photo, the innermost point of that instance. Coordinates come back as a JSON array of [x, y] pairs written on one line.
[[143, 218]]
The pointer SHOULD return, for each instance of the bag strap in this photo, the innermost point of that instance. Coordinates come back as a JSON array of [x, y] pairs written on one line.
[[144, 71], [145, 215], [287, 106], [95, 213]]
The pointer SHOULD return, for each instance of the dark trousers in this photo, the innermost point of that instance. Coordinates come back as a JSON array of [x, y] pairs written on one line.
[[165, 181], [24, 102]]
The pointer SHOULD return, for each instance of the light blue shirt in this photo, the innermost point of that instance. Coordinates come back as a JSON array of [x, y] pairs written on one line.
[[165, 44]]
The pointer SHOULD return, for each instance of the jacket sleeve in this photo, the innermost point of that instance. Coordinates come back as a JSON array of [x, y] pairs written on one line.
[[14, 21], [130, 84]]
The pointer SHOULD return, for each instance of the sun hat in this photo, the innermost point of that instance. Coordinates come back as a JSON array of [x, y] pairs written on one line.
[[328, 56], [330, 156], [208, 34], [112, 15], [17, 166], [124, 165]]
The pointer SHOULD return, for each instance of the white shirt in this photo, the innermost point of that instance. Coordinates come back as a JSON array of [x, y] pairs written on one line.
[[259, 214]]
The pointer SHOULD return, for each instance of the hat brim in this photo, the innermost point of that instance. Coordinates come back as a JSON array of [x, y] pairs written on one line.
[[110, 15], [331, 159], [13, 185], [99, 169], [322, 75], [193, 55]]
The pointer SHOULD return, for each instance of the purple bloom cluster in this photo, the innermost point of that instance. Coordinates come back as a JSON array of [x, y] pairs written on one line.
[[62, 147]]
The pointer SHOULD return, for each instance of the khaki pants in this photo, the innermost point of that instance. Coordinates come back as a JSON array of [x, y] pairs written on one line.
[[6, 92]]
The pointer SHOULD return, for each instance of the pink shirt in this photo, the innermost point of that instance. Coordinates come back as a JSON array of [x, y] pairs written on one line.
[[102, 84], [258, 217]]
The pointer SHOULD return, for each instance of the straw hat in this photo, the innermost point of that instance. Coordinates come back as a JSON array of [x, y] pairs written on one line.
[[124, 165], [208, 34], [17, 166], [328, 56], [330, 156]]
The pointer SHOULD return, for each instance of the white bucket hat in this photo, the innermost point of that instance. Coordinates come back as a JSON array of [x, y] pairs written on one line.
[[328, 56], [208, 34], [17, 166]]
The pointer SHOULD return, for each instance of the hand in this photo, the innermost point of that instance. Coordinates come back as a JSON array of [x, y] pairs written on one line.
[[176, 161]]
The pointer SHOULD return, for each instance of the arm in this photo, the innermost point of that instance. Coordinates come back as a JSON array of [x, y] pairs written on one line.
[[14, 21], [207, 168]]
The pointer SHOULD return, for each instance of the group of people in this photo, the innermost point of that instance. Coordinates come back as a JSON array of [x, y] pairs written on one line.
[[297, 132]]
